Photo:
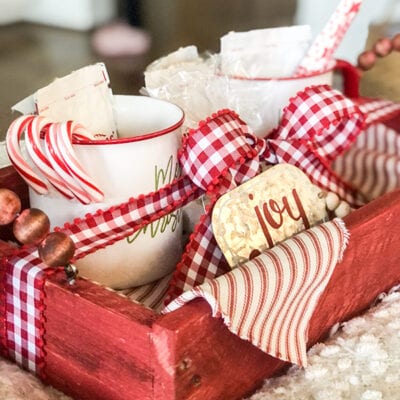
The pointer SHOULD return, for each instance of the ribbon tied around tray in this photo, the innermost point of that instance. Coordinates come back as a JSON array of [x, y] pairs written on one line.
[[222, 152], [316, 126]]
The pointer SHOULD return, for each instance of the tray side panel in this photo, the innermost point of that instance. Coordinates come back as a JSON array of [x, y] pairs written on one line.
[[371, 265], [222, 366], [97, 343], [209, 362]]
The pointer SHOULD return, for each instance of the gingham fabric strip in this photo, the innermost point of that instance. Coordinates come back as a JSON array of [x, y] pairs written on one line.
[[306, 110], [271, 299], [104, 228], [22, 299], [372, 164], [318, 124], [201, 261], [378, 110]]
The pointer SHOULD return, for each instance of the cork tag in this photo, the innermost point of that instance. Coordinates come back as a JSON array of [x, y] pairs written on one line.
[[266, 210]]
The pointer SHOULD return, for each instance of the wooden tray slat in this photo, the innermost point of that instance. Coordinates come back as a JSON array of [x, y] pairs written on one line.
[[101, 345], [97, 342]]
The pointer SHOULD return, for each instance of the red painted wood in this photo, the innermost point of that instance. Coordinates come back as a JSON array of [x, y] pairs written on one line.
[[98, 343], [220, 365], [207, 361], [102, 346], [371, 264]]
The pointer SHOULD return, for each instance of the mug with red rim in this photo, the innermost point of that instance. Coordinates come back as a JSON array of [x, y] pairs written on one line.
[[141, 160], [260, 100]]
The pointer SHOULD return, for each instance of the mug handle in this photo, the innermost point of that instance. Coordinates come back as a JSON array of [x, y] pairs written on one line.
[[351, 78]]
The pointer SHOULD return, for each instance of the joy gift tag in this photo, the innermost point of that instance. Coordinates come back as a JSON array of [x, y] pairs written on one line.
[[266, 210]]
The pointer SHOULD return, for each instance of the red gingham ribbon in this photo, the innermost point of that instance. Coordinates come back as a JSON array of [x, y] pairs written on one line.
[[309, 141], [318, 124], [220, 145], [22, 308]]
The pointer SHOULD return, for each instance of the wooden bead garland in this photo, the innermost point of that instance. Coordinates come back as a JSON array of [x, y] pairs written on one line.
[[32, 227], [10, 206], [335, 206], [382, 48]]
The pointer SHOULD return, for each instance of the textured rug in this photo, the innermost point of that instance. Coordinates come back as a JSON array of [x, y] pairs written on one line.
[[360, 361]]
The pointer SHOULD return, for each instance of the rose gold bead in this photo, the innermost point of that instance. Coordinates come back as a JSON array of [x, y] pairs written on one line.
[[57, 249], [366, 60], [10, 206], [383, 47], [31, 226], [396, 42]]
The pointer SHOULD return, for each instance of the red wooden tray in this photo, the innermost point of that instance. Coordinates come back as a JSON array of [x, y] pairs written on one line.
[[100, 345]]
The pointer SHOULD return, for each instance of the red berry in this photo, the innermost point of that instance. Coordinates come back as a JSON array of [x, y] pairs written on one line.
[[383, 47], [31, 226], [57, 249], [366, 60], [10, 206]]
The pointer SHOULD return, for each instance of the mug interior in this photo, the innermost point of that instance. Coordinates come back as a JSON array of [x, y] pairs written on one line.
[[140, 118]]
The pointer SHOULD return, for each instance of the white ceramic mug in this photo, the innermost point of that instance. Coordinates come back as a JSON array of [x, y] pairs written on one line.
[[260, 101], [141, 160]]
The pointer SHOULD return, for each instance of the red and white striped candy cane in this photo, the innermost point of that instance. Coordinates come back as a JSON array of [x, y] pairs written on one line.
[[13, 137], [66, 131], [56, 160], [38, 155]]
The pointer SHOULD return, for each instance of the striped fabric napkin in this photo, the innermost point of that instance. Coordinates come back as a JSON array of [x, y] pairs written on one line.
[[270, 300], [372, 163]]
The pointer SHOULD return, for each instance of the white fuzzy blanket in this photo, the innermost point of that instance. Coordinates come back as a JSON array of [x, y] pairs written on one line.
[[361, 361]]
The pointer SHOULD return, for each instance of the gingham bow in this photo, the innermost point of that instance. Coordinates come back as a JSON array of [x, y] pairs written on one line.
[[221, 147], [318, 124]]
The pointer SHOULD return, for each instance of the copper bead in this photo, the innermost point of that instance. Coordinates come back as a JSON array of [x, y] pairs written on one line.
[[10, 206], [57, 249], [383, 47], [396, 42], [366, 60], [31, 226]]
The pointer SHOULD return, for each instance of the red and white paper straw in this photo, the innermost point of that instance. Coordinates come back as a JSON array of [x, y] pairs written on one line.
[[320, 54]]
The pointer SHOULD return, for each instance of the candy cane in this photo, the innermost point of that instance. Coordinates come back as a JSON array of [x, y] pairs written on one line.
[[38, 155], [56, 160], [65, 134], [319, 55], [13, 137]]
